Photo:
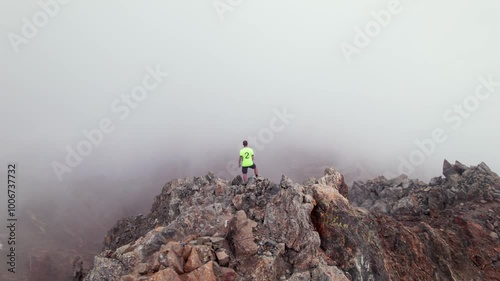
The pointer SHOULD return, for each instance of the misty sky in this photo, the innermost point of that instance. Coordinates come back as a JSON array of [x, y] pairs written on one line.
[[228, 77]]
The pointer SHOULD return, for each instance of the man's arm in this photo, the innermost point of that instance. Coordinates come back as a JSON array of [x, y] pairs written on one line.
[[239, 161]]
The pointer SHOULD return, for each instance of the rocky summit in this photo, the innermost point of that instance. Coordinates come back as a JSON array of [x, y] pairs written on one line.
[[208, 229]]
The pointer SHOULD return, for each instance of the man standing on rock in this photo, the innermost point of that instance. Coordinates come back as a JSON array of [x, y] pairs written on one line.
[[246, 161]]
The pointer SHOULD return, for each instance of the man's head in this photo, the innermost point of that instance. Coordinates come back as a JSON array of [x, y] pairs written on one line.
[[245, 143]]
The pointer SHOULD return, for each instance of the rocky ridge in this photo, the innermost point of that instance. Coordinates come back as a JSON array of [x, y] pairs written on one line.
[[206, 228]]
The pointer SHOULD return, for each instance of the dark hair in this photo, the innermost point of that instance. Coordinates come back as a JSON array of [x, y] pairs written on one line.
[[245, 143]]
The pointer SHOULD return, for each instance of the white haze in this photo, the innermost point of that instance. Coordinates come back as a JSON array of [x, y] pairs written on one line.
[[227, 78]]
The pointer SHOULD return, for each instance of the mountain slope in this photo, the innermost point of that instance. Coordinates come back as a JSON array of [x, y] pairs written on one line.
[[206, 228]]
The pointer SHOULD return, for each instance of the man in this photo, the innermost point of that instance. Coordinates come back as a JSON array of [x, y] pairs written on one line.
[[246, 161]]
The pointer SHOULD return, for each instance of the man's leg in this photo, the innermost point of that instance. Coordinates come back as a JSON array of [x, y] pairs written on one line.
[[244, 170], [255, 171]]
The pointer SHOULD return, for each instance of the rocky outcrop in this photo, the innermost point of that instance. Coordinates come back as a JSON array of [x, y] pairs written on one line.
[[447, 229], [206, 228]]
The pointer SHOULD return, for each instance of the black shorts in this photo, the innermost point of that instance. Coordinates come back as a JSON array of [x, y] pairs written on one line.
[[244, 170]]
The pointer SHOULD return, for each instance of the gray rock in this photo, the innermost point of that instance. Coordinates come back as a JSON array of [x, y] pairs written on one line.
[[436, 181], [273, 189], [328, 273], [286, 182], [238, 180], [78, 269], [460, 168], [300, 276], [494, 236], [309, 181], [484, 167], [105, 269], [204, 239], [448, 169]]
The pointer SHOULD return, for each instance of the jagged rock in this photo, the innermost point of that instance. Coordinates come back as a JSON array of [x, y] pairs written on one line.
[[175, 261], [430, 229], [309, 181], [348, 236], [389, 196], [273, 190], [436, 181], [330, 273], [144, 268], [265, 268], [295, 230], [124, 249], [286, 182], [227, 274], [128, 278], [78, 269], [484, 167], [193, 261], [218, 242], [186, 251], [152, 242], [166, 274], [203, 273], [335, 179], [203, 240], [110, 269], [448, 169], [243, 239], [205, 228], [222, 257], [301, 276], [238, 202], [460, 168], [205, 253], [238, 180], [220, 188]]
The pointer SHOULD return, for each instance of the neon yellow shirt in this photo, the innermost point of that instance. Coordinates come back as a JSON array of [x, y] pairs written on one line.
[[246, 153]]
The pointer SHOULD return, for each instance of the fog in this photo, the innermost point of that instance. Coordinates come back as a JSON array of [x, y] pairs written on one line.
[[170, 89]]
